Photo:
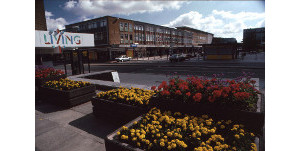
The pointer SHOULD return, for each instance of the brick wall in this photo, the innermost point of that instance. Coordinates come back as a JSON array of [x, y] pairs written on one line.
[[40, 19]]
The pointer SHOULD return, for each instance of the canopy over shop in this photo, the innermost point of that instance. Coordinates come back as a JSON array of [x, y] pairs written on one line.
[[71, 44]]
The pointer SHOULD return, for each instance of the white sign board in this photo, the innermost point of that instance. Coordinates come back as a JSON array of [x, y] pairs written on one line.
[[63, 39], [115, 76]]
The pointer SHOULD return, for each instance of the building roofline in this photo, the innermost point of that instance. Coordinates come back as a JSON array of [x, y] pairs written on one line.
[[255, 28], [194, 29], [134, 21]]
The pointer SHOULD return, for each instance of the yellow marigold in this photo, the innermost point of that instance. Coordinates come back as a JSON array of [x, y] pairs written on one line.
[[237, 136]]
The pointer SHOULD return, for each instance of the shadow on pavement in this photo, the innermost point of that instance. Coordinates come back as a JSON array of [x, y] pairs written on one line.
[[99, 127], [48, 108]]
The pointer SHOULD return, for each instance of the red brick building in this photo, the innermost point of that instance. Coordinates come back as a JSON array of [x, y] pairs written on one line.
[[115, 36]]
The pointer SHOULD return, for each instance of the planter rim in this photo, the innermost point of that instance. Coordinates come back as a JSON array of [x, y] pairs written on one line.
[[110, 101], [111, 136]]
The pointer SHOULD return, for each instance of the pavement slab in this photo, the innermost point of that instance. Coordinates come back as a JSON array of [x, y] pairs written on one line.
[[43, 125], [64, 117]]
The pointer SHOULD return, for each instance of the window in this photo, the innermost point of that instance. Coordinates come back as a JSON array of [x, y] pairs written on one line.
[[121, 27], [130, 27], [89, 26], [136, 37], [126, 38], [130, 38], [104, 23], [122, 38], [126, 26]]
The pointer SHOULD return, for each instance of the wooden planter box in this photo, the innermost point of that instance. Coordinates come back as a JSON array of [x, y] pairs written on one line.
[[111, 144], [253, 120], [40, 82], [67, 98], [103, 108]]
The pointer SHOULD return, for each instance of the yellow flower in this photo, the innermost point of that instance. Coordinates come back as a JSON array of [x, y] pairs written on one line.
[[173, 145], [162, 144], [237, 136], [123, 137]]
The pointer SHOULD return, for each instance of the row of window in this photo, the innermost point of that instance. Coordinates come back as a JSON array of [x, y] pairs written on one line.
[[91, 25], [126, 38], [125, 27], [99, 36]]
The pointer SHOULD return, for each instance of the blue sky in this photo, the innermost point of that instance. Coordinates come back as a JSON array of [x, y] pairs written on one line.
[[222, 18]]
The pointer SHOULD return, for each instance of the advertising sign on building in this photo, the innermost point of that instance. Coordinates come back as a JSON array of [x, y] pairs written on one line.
[[63, 39]]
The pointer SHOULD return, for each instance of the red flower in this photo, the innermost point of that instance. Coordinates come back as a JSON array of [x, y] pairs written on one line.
[[197, 97], [253, 81], [153, 87], [165, 92], [241, 95], [217, 93], [178, 92], [160, 86], [211, 99], [188, 94]]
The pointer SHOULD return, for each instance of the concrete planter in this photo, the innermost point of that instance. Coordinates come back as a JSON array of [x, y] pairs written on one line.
[[102, 107], [67, 98]]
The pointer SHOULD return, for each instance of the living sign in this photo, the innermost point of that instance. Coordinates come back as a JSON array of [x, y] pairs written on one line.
[[63, 39]]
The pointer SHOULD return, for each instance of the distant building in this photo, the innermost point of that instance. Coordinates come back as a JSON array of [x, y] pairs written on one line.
[[254, 39], [219, 40], [115, 36], [199, 37]]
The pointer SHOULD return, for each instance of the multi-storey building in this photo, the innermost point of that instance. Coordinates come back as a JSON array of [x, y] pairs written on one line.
[[115, 36], [254, 39], [199, 37]]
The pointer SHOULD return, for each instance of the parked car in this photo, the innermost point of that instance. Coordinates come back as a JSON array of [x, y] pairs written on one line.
[[176, 57], [122, 58]]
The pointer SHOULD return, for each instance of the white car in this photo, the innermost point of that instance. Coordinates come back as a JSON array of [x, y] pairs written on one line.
[[123, 58]]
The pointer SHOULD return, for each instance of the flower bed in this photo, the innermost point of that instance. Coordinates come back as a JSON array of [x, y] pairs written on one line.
[[174, 131], [239, 95], [228, 99], [67, 92], [44, 74], [128, 103]]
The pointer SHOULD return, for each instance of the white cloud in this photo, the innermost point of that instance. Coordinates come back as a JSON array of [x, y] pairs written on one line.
[[220, 23], [260, 24], [48, 14], [88, 8], [239, 16], [53, 24]]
